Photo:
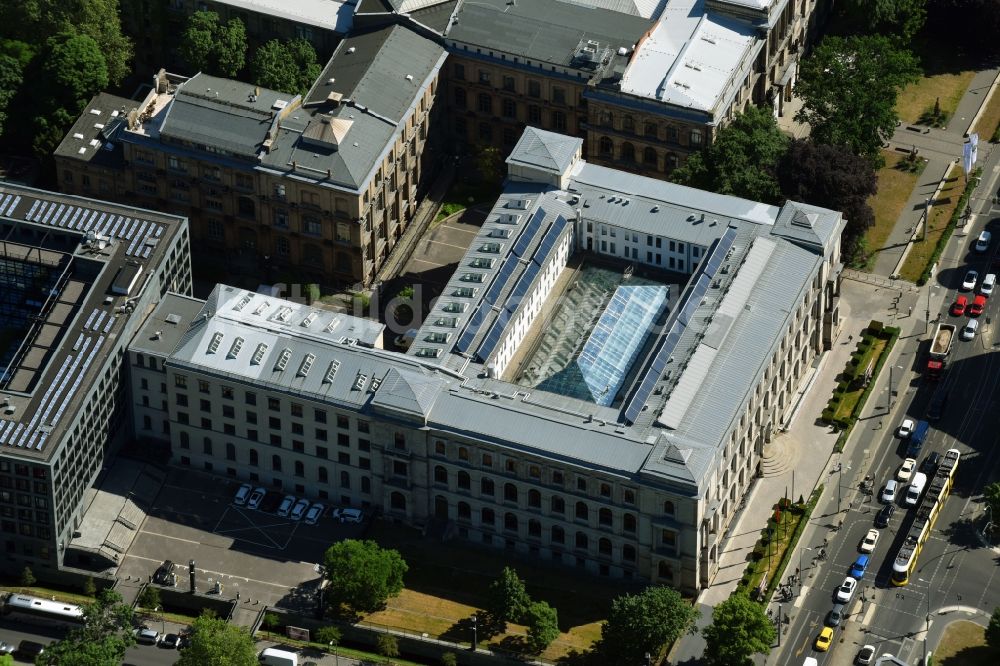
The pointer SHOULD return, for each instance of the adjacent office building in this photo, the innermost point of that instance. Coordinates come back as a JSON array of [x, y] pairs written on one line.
[[621, 442], [78, 276]]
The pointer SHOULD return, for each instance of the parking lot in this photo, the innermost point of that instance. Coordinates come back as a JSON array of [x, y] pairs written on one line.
[[193, 518]]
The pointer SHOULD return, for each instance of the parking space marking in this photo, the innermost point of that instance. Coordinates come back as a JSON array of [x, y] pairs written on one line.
[[217, 573], [457, 247], [169, 536], [424, 261]]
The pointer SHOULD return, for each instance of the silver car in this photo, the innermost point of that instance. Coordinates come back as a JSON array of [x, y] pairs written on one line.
[[286, 506], [299, 509], [969, 330]]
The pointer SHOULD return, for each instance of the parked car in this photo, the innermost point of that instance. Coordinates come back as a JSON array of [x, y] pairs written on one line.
[[171, 642], [930, 464], [869, 542], [824, 639], [835, 616], [165, 575], [7, 648], [958, 307], [286, 506], [348, 515], [256, 497], [970, 280], [889, 492], [905, 470], [983, 242], [242, 494], [299, 509], [989, 282], [969, 330], [865, 656], [846, 589], [29, 650], [978, 305], [314, 513], [884, 515], [905, 428], [147, 636]]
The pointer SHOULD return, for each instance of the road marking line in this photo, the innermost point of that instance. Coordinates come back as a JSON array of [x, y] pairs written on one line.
[[868, 615], [168, 536], [457, 247], [217, 573]]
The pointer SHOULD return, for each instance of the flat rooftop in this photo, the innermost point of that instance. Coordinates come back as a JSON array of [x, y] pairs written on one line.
[[77, 251]]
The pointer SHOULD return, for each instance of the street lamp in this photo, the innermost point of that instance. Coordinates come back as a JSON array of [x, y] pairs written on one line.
[[800, 568], [927, 628]]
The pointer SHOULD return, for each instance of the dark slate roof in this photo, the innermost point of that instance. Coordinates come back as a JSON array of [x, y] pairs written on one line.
[[544, 30], [91, 126]]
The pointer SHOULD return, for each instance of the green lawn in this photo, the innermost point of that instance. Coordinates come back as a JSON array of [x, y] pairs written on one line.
[[847, 404], [463, 195], [964, 644], [894, 188], [947, 200], [989, 122], [947, 88]]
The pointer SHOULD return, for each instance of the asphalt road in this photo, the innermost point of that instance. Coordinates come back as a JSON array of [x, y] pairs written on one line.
[[141, 655], [954, 568]]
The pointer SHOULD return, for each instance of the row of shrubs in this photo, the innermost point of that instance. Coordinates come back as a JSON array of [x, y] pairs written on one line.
[[854, 373], [752, 574], [956, 215]]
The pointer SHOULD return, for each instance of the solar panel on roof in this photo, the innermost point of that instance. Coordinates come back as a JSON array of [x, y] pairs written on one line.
[[500, 281], [65, 216], [528, 232], [465, 340], [146, 251], [31, 211], [718, 252], [13, 206], [111, 322], [522, 285], [85, 222], [492, 339], [72, 220], [41, 211], [3, 204]]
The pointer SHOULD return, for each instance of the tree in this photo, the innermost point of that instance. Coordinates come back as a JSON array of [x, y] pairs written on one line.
[[363, 575], [150, 597], [739, 629], [287, 66], [489, 163], [387, 646], [991, 494], [645, 622], [993, 630], [449, 659], [506, 599], [966, 24], [6, 660], [834, 178], [11, 77], [216, 642], [741, 161], [102, 640], [27, 577], [543, 625], [74, 69], [271, 621], [208, 45], [848, 89], [329, 635], [89, 587], [899, 19]]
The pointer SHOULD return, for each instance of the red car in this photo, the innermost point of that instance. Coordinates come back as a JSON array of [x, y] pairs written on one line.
[[977, 306], [958, 307]]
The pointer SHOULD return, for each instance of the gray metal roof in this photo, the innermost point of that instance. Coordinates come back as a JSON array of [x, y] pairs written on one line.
[[86, 139], [545, 150], [543, 31], [222, 114]]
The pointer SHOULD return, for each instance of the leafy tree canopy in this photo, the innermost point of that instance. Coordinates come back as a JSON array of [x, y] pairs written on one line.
[[898, 19], [363, 575], [74, 69], [645, 622], [210, 46], [991, 494], [543, 625], [216, 642], [506, 599], [741, 160], [103, 638], [834, 178], [993, 630], [966, 25], [739, 630], [849, 88], [287, 66]]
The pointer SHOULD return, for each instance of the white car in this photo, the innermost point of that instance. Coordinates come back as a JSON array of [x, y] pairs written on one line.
[[969, 283], [846, 590], [314, 513], [969, 330], [242, 494], [348, 515], [866, 655], [989, 282], [983, 242], [299, 509], [256, 497], [905, 428], [868, 543], [906, 469], [889, 492], [286, 506]]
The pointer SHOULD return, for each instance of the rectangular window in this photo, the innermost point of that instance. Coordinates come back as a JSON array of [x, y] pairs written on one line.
[[534, 89]]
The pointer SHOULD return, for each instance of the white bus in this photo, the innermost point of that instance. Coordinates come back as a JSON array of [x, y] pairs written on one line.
[[41, 611]]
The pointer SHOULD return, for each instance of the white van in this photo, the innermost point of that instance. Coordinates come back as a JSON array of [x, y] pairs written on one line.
[[989, 282], [276, 657], [916, 487]]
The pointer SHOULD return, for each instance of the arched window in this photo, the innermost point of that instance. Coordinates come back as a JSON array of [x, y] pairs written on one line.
[[604, 517], [668, 507], [628, 152], [253, 458], [345, 479], [440, 474], [558, 504], [321, 472], [464, 481], [510, 522], [397, 501], [582, 541], [604, 547], [581, 511], [276, 463], [463, 453], [628, 522], [605, 147], [230, 451], [649, 156], [487, 517], [509, 492], [486, 487], [534, 499], [628, 553], [558, 535], [300, 469], [534, 529], [464, 512]]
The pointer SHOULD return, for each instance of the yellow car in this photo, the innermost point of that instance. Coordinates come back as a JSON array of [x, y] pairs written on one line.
[[824, 639]]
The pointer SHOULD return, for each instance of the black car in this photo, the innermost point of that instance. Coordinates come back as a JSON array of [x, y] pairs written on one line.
[[171, 642], [884, 515], [930, 464], [165, 574], [29, 650]]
